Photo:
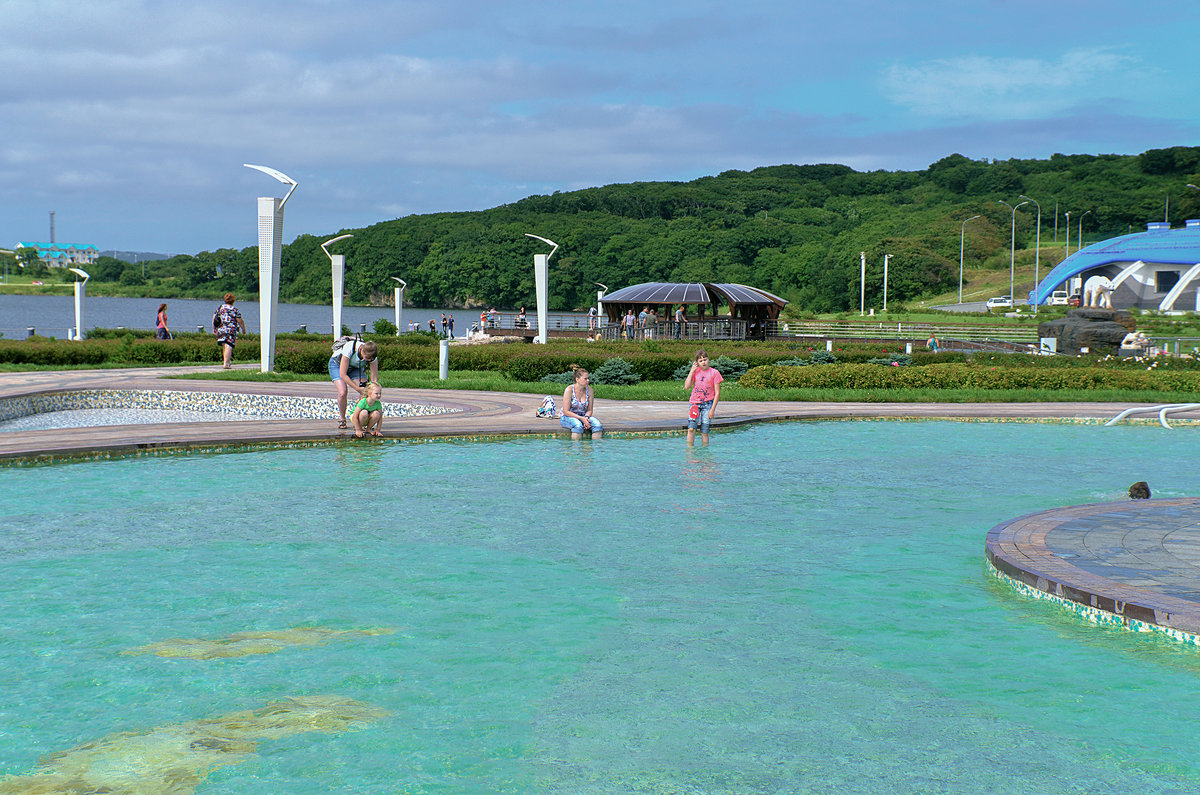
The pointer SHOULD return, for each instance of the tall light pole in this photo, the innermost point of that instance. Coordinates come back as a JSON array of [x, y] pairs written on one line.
[[80, 294], [599, 304], [337, 269], [1056, 220], [862, 285], [886, 257], [1012, 257], [541, 280], [270, 254], [1037, 251], [1079, 237], [401, 286], [962, 239], [1067, 251]]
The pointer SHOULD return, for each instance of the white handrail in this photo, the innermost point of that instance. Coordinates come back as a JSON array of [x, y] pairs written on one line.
[[1162, 410]]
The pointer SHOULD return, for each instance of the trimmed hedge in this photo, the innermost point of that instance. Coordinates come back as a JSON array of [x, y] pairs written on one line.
[[959, 376]]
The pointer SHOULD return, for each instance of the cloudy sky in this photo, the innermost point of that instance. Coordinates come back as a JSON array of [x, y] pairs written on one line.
[[132, 118]]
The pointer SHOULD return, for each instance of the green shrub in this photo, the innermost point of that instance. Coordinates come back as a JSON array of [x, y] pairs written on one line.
[[385, 326], [559, 378], [615, 371]]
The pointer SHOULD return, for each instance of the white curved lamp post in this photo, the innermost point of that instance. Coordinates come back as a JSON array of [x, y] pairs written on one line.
[[1012, 258], [337, 267], [270, 254], [401, 286], [80, 294], [962, 239], [599, 305], [1037, 250], [541, 280]]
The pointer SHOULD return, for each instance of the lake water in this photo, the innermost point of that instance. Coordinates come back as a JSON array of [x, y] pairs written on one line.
[[53, 315], [800, 607]]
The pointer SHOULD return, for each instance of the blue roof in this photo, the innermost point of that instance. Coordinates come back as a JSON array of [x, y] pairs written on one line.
[[1159, 243]]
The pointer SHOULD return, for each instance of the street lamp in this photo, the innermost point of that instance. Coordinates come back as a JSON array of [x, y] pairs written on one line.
[[886, 257], [541, 278], [599, 305], [80, 294], [1012, 257], [270, 254], [962, 237], [1079, 237], [337, 268], [1037, 250], [401, 286], [1067, 250]]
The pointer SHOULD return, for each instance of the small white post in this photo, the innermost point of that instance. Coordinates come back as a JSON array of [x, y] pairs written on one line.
[[443, 359], [80, 295]]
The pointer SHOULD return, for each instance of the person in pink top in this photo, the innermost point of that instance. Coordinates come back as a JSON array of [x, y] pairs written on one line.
[[705, 383]]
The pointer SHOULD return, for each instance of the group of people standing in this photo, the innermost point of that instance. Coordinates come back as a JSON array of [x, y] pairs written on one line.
[[646, 322]]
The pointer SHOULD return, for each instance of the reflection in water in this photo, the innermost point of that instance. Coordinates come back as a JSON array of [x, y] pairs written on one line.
[[177, 757], [241, 644]]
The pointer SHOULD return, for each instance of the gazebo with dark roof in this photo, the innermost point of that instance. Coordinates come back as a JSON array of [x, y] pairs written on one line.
[[749, 307]]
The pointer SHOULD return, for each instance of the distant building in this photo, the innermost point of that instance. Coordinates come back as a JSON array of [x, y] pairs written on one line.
[[1155, 269], [63, 255]]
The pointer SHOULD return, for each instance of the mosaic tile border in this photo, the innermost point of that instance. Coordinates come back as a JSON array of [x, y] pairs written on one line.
[[222, 448], [1094, 615], [250, 406]]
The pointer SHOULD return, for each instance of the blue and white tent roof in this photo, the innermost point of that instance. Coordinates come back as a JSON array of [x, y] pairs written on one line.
[[1159, 243]]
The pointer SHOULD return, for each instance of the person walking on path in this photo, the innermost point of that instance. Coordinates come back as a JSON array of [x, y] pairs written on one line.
[[227, 322], [450, 321], [577, 407], [164, 333], [346, 369], [706, 393], [443, 324]]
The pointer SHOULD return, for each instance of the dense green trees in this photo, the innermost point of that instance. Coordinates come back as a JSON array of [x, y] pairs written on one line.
[[794, 230]]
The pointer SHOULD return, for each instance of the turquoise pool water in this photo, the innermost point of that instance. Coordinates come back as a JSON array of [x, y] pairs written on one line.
[[797, 608]]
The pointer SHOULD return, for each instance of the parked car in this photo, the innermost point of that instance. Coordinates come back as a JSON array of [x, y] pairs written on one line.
[[1000, 302], [1075, 300], [1059, 298]]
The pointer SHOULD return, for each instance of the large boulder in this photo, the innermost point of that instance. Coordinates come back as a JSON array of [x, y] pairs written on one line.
[[1098, 330]]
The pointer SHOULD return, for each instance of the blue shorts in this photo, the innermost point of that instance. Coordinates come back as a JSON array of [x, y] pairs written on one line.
[[705, 407], [575, 426], [335, 370]]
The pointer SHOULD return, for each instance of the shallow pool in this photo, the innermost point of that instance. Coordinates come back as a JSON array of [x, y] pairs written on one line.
[[799, 607]]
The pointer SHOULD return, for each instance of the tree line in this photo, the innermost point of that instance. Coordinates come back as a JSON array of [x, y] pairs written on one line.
[[793, 230]]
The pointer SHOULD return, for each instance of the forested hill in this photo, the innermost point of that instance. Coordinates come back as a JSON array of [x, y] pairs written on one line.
[[794, 230]]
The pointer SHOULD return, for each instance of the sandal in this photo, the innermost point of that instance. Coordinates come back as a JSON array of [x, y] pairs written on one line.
[[342, 425]]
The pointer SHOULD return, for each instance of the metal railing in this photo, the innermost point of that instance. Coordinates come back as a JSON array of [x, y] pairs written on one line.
[[1162, 410], [722, 328], [910, 331]]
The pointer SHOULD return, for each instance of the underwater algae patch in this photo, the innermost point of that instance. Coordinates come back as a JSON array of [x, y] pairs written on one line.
[[173, 759], [242, 644]]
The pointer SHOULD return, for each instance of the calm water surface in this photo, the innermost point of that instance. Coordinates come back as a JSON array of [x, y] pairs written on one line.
[[798, 608]]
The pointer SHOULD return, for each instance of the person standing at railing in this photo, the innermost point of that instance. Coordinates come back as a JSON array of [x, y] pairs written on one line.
[[932, 343], [629, 320], [593, 316], [680, 321]]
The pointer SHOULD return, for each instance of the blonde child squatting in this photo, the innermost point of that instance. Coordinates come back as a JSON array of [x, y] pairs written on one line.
[[368, 413]]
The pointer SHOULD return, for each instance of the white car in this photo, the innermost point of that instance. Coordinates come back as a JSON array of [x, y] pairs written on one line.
[[1057, 298], [1000, 302]]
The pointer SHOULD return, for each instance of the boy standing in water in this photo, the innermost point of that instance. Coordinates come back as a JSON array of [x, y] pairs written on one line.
[[706, 393]]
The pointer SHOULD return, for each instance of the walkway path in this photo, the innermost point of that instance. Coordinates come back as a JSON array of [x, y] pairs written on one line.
[[1134, 562]]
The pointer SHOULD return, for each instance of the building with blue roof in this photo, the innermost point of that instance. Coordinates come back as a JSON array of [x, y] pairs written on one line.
[[1155, 269], [63, 255]]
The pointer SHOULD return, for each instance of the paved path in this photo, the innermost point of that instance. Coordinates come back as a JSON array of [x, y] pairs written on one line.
[[1133, 561]]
